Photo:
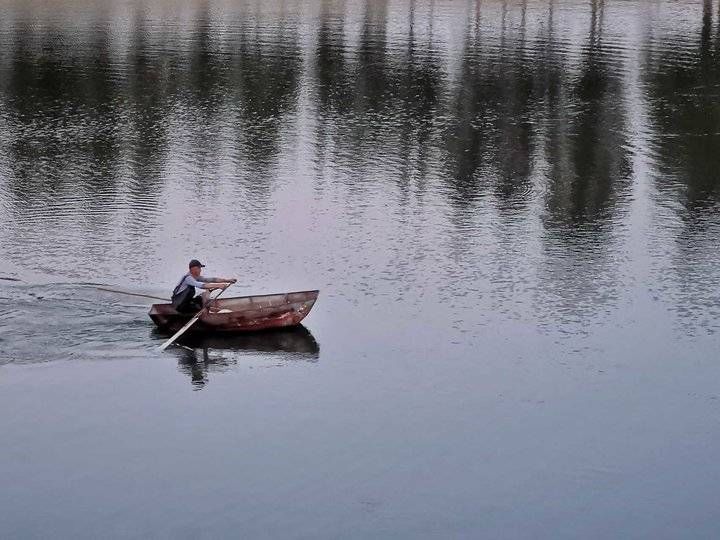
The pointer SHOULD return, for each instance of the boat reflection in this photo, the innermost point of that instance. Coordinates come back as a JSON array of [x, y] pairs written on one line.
[[198, 356]]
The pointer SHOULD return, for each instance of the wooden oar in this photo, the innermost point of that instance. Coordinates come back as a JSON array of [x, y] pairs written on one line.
[[190, 322], [132, 294]]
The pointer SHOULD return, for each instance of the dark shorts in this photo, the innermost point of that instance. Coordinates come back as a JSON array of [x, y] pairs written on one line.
[[186, 301]]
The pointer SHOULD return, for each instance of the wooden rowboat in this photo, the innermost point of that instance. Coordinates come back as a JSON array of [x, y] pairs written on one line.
[[240, 314]]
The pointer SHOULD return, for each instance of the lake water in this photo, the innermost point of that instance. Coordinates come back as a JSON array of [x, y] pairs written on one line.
[[511, 209]]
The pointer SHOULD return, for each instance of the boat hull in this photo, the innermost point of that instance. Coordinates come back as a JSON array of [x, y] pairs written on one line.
[[240, 314]]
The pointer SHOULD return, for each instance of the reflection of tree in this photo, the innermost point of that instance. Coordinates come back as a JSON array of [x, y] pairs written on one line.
[[492, 115], [148, 119], [330, 66], [685, 107], [587, 140], [264, 82], [502, 98], [334, 96], [205, 75], [392, 99], [63, 115], [469, 136], [377, 101], [588, 171], [372, 77], [81, 110], [419, 87]]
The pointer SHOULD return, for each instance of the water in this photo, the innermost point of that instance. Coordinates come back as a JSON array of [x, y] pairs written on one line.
[[510, 209]]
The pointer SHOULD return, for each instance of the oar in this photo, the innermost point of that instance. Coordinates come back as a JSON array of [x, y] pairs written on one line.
[[132, 294], [190, 322]]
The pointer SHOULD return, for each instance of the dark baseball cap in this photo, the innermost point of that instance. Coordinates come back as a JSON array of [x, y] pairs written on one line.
[[195, 262]]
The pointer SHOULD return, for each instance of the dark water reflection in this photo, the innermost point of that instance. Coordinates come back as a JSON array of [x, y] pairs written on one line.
[[199, 355], [511, 209]]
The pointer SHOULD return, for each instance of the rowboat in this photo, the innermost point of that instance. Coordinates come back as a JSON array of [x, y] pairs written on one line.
[[241, 313]]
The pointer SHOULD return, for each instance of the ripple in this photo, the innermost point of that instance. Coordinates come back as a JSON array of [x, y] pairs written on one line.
[[501, 161]]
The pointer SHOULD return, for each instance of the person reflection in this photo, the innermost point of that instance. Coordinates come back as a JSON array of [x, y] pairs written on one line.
[[199, 356], [194, 363]]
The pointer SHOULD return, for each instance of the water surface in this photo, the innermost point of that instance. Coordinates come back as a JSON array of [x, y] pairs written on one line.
[[510, 209]]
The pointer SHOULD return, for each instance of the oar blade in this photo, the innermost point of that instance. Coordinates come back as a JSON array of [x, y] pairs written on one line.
[[179, 333]]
